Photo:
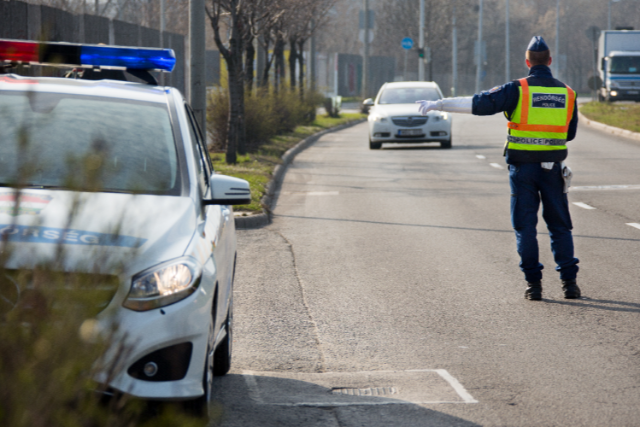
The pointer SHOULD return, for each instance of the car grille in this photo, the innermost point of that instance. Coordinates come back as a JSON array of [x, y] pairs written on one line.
[[629, 84], [32, 292], [410, 121]]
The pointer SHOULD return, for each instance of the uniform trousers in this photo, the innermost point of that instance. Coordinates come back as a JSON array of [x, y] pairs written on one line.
[[531, 184]]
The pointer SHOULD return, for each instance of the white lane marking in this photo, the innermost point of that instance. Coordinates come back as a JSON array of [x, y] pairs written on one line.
[[313, 193], [480, 156], [496, 165], [252, 385], [462, 392], [583, 205], [606, 187], [634, 224]]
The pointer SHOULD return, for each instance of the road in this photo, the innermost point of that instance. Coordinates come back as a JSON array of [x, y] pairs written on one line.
[[387, 292]]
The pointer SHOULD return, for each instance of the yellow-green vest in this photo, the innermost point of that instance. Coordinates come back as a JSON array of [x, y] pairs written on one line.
[[540, 122]]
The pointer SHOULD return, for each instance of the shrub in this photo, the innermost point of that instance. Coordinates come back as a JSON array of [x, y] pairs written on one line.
[[267, 113]]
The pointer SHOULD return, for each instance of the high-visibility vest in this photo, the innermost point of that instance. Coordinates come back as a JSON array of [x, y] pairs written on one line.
[[540, 122]]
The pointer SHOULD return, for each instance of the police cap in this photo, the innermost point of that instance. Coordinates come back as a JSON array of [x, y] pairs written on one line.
[[537, 44]]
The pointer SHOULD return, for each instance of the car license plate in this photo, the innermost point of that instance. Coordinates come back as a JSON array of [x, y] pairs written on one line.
[[632, 92], [409, 132]]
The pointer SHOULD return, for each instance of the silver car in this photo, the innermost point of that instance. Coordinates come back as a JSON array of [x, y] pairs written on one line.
[[394, 116]]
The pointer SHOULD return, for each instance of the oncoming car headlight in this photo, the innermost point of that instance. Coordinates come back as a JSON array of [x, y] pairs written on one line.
[[378, 118], [164, 284]]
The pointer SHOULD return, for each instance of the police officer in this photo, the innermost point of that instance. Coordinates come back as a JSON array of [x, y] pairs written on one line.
[[542, 114]]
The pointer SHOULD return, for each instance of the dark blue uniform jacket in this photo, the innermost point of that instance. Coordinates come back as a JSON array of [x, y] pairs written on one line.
[[505, 99]]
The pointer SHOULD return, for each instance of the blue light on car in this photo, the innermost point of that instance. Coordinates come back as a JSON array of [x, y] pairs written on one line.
[[79, 55], [130, 58]]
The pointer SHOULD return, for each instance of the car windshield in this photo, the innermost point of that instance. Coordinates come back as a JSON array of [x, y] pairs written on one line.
[[86, 143], [408, 95], [625, 65]]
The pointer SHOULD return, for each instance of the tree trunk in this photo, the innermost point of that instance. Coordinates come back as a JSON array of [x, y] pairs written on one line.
[[235, 133], [278, 52], [232, 54], [293, 57], [301, 66], [250, 54], [268, 62]]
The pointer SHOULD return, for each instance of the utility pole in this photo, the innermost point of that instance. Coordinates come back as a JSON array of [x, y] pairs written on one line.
[[454, 55], [507, 59], [197, 83], [365, 61], [479, 53], [162, 29], [421, 43], [556, 67]]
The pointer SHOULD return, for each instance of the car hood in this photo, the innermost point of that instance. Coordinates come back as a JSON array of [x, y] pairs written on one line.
[[391, 110], [93, 232]]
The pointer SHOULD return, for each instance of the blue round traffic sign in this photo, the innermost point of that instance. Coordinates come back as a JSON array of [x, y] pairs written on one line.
[[407, 43]]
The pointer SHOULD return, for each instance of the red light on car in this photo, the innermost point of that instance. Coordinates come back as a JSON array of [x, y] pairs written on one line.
[[15, 51]]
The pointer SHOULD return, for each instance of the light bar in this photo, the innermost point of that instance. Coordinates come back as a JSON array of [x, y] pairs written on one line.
[[85, 55]]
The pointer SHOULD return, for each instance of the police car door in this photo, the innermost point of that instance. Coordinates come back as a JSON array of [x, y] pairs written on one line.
[[216, 221]]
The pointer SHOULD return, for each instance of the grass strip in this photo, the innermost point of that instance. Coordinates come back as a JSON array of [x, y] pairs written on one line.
[[257, 168], [624, 116]]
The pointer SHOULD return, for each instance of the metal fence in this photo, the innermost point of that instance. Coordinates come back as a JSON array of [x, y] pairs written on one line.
[[25, 21]]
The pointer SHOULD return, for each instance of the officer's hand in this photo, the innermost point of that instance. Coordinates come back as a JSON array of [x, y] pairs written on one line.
[[426, 106]]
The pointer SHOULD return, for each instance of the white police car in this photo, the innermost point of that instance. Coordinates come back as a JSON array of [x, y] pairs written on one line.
[[116, 176]]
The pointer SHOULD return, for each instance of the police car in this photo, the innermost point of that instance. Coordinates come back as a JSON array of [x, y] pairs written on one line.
[[116, 176], [393, 116]]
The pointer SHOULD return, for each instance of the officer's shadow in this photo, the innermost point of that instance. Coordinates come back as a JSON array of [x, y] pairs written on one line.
[[601, 304]]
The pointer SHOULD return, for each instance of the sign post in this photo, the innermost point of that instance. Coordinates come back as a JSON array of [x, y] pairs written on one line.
[[407, 44]]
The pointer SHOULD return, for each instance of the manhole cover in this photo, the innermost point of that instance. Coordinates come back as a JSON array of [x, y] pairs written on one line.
[[375, 391]]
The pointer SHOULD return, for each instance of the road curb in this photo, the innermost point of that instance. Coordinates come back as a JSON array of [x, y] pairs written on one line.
[[609, 129], [264, 218]]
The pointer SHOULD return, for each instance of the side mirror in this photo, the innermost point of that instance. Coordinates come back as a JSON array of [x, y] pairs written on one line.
[[227, 190], [366, 106], [602, 63]]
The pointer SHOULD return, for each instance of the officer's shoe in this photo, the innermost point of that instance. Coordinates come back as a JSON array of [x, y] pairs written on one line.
[[533, 291], [571, 289]]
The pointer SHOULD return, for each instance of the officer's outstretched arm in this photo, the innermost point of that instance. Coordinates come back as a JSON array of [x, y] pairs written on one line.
[[452, 105]]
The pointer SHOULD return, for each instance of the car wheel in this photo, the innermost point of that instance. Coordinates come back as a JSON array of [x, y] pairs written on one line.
[[200, 407], [222, 355], [446, 144], [375, 145]]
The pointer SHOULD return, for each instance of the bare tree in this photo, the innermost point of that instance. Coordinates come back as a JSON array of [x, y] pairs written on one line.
[[236, 12]]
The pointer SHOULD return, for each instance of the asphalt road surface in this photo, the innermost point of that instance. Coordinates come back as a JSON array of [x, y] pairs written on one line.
[[387, 292]]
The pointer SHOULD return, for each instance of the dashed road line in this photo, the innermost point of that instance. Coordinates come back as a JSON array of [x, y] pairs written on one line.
[[480, 156], [634, 224], [605, 187], [496, 165], [583, 205]]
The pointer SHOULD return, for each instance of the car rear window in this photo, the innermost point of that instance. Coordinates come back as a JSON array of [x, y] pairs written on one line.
[[86, 143], [408, 95]]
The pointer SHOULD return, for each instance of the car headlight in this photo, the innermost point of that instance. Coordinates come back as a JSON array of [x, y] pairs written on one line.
[[378, 118], [164, 284], [445, 116]]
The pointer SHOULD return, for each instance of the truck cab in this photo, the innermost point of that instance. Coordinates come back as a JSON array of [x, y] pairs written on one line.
[[619, 66], [622, 77]]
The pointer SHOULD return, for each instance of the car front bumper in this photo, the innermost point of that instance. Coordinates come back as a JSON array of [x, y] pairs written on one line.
[[159, 333], [433, 131]]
